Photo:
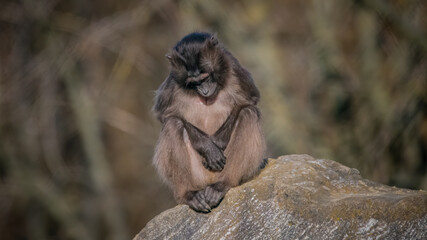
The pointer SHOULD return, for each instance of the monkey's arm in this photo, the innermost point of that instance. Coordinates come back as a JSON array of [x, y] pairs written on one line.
[[214, 158], [246, 82], [222, 136], [163, 99]]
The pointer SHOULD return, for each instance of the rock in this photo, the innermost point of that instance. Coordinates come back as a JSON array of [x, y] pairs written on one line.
[[297, 196]]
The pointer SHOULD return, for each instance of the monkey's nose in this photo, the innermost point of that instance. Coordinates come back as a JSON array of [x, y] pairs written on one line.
[[205, 91]]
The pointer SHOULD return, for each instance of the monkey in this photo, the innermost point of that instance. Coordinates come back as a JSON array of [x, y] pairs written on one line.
[[211, 138]]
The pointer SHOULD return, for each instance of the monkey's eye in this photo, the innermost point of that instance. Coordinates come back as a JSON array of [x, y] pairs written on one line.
[[193, 84]]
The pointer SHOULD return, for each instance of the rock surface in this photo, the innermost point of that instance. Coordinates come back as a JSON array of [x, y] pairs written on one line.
[[297, 196]]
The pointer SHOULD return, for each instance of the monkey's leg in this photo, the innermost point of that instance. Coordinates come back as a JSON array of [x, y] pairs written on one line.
[[245, 151], [214, 159], [222, 136], [172, 160]]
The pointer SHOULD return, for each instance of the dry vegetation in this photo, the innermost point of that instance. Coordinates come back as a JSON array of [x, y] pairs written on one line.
[[344, 80]]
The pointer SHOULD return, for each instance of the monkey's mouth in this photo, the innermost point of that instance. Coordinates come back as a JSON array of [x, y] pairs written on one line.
[[208, 100]]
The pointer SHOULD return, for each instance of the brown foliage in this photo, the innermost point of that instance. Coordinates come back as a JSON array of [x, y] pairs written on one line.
[[343, 80]]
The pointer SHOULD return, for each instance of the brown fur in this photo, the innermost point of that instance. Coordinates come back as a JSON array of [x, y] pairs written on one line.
[[178, 162]]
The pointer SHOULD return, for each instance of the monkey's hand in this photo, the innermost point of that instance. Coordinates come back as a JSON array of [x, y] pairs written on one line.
[[214, 159]]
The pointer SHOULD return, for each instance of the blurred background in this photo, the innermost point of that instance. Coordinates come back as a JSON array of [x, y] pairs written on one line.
[[342, 80]]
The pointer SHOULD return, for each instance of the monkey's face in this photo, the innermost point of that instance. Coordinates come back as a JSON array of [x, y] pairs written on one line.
[[198, 65]]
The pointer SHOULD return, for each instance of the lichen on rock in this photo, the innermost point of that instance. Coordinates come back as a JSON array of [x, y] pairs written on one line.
[[297, 196]]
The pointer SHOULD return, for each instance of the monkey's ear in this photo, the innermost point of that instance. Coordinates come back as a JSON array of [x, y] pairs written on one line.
[[212, 41], [170, 59], [175, 58]]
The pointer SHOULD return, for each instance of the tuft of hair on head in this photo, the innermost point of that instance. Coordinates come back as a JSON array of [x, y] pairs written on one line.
[[195, 37], [212, 41]]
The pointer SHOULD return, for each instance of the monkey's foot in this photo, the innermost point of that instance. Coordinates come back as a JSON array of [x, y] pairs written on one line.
[[215, 193], [197, 201]]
